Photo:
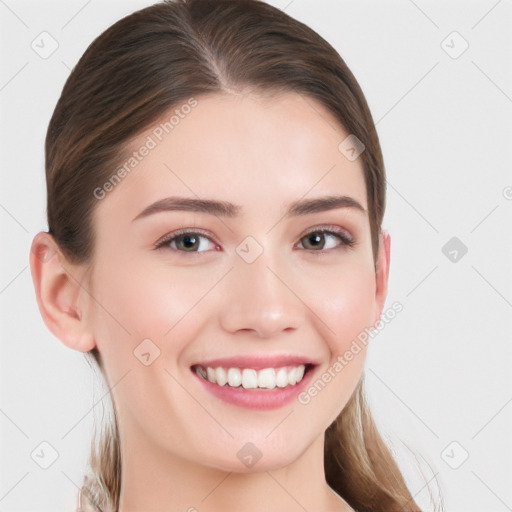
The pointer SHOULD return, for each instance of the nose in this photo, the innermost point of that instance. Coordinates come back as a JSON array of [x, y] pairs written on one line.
[[259, 298]]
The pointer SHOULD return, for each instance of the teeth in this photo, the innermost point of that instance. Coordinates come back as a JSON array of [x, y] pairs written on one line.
[[210, 372], [201, 372], [249, 379], [267, 378], [282, 378], [220, 376], [234, 377]]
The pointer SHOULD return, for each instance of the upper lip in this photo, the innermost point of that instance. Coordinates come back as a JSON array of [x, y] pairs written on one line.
[[256, 362]]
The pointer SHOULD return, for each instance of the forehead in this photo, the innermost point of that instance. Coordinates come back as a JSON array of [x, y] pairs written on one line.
[[245, 148]]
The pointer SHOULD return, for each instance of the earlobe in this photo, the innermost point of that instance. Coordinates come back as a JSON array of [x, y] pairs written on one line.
[[57, 294], [382, 272]]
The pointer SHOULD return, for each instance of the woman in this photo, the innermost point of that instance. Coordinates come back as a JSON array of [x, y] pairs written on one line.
[[215, 196]]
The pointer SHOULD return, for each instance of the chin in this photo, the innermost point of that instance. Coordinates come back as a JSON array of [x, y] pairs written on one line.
[[256, 457]]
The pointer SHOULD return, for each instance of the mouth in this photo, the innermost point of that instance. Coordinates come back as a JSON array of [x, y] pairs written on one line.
[[250, 378], [259, 384]]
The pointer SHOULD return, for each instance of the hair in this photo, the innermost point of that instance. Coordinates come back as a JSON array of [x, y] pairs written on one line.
[[136, 71]]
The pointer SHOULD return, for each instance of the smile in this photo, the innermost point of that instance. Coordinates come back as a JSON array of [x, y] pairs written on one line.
[[260, 383], [249, 378]]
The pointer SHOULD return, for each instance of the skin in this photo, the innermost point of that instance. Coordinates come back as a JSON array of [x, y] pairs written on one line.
[[178, 442]]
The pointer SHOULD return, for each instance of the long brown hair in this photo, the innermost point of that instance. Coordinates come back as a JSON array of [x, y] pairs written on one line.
[[160, 57]]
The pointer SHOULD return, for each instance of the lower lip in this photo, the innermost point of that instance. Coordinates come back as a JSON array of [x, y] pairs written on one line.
[[260, 399]]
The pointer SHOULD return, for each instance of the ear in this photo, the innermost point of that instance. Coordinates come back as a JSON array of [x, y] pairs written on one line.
[[57, 285], [382, 272]]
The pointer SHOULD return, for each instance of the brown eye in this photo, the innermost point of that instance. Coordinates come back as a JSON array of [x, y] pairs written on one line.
[[185, 241], [188, 242], [323, 239]]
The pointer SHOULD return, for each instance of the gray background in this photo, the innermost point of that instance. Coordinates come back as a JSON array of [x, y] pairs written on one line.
[[437, 375]]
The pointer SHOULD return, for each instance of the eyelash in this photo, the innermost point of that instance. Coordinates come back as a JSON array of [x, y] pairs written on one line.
[[346, 240]]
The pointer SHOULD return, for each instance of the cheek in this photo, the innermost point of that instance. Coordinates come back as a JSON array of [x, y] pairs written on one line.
[[134, 303], [147, 300], [144, 319], [345, 306], [344, 300]]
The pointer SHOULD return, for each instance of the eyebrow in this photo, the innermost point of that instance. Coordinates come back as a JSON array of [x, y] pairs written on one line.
[[226, 209]]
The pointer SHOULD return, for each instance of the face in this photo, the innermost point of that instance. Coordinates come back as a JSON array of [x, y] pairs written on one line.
[[254, 286]]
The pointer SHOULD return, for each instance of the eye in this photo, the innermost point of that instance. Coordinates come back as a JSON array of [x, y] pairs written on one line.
[[315, 239], [185, 241], [318, 239]]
